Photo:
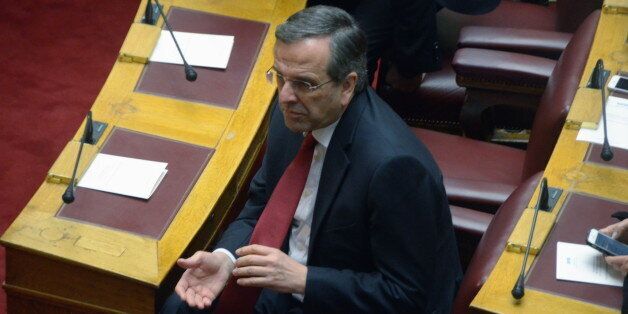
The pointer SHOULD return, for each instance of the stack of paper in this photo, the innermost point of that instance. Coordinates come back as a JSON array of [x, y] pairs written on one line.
[[582, 263], [617, 118], [124, 175], [202, 50]]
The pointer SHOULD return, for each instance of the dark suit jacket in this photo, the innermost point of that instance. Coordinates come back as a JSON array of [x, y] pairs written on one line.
[[382, 240]]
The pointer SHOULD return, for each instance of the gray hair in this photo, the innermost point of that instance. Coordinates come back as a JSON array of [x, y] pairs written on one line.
[[347, 44]]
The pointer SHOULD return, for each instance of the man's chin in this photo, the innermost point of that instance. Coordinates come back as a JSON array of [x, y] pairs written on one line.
[[297, 127]]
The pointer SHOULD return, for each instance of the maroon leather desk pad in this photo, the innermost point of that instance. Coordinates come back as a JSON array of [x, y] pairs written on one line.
[[620, 157], [149, 217], [579, 214], [213, 86]]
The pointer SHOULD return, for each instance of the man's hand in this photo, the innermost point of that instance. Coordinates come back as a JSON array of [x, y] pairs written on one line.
[[265, 267], [205, 276], [617, 231], [620, 263]]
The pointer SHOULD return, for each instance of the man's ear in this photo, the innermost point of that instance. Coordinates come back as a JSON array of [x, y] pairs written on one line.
[[348, 87]]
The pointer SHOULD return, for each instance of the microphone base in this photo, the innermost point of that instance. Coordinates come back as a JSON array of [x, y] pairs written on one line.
[[98, 130]]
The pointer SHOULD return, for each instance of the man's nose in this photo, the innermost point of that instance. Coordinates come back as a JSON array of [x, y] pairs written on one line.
[[286, 93]]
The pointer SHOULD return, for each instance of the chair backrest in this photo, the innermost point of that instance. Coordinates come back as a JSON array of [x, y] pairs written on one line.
[[558, 96], [571, 13], [493, 243], [511, 14]]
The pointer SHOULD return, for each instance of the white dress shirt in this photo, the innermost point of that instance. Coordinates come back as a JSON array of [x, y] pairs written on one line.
[[302, 221]]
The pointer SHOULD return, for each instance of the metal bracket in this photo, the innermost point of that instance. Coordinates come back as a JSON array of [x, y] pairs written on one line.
[[593, 81], [151, 14], [98, 130], [553, 196]]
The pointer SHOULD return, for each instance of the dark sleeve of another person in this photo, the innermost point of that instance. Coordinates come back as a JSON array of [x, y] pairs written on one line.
[[415, 47]]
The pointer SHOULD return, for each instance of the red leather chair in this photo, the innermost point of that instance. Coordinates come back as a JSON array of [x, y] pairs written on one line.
[[482, 175], [436, 104], [493, 242]]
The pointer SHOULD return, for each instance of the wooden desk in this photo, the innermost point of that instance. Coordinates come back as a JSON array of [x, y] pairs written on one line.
[[57, 264], [566, 171]]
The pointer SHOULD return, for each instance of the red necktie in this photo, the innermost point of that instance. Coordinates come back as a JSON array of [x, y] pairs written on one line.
[[273, 225]]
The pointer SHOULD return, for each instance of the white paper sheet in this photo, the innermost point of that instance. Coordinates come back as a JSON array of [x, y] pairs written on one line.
[[204, 50], [124, 175], [617, 117], [582, 263]]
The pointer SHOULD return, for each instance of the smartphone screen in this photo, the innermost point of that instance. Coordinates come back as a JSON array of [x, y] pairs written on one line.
[[622, 83], [606, 244]]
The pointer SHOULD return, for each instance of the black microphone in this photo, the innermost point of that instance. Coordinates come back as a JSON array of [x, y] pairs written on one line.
[[88, 133], [190, 74], [68, 195], [148, 14], [518, 291], [607, 152]]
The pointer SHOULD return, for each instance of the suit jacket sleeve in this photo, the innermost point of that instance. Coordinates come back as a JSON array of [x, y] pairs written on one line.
[[281, 147], [239, 231], [404, 204]]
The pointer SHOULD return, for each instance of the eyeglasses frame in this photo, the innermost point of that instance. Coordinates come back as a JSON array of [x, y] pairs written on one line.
[[271, 72]]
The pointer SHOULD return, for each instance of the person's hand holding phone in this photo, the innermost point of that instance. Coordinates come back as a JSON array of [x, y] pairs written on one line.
[[618, 231]]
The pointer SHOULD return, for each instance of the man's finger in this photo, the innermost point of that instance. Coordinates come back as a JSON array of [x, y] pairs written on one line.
[[190, 262], [190, 298], [607, 231], [617, 262], [251, 260], [261, 282], [207, 301], [251, 271], [199, 301], [181, 287], [254, 249]]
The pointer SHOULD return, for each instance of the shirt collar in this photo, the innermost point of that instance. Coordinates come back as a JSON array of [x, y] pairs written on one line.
[[323, 135]]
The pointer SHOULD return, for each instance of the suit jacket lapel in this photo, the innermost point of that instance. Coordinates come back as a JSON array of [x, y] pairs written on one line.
[[336, 163]]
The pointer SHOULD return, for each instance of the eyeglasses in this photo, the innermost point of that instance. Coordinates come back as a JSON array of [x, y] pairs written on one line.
[[299, 87]]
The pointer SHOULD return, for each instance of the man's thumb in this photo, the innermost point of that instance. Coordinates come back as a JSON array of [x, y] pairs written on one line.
[[192, 261]]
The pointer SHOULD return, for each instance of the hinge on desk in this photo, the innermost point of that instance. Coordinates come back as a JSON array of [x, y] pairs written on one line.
[[615, 7], [58, 179]]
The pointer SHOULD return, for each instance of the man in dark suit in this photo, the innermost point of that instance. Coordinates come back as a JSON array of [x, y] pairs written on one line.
[[372, 231]]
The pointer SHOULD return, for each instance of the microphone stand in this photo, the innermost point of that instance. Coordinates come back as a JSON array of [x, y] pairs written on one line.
[[518, 291], [68, 196], [190, 74], [607, 152]]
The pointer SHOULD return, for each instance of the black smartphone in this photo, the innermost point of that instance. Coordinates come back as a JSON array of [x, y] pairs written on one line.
[[606, 244]]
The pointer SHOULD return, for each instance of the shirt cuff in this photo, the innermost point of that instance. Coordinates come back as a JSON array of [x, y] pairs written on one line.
[[231, 257]]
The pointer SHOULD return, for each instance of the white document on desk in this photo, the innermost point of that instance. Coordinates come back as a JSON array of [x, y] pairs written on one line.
[[124, 175], [582, 263], [617, 117], [203, 50]]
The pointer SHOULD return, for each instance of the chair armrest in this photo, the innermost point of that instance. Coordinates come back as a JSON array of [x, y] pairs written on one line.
[[502, 71], [478, 195], [541, 43], [470, 221]]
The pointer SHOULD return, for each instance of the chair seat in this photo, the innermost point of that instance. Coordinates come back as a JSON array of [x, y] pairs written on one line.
[[476, 174]]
